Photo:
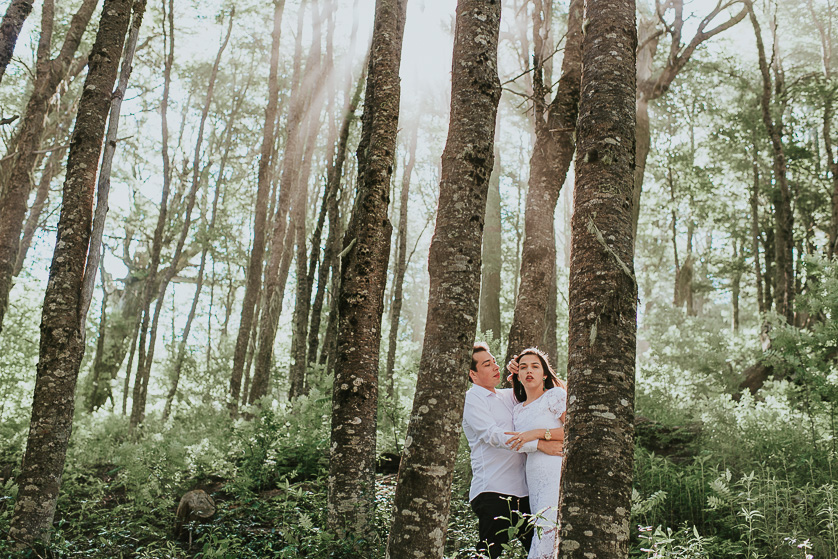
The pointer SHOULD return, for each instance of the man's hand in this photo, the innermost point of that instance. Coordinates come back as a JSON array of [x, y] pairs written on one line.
[[552, 447]]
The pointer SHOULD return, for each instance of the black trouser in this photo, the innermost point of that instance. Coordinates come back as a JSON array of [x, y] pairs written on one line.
[[496, 513]]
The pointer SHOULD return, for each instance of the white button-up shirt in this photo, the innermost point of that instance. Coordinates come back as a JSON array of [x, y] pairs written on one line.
[[495, 468]]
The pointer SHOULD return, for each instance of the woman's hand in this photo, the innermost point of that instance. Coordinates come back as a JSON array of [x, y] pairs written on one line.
[[520, 438], [512, 367]]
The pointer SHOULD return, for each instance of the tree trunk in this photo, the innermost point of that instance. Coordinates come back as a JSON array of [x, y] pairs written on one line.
[[492, 255], [551, 157], [293, 169], [330, 202], [141, 380], [351, 496], [550, 342], [15, 170], [104, 185], [16, 14], [61, 347], [196, 172], [269, 319], [401, 262], [781, 196], [423, 494], [263, 188], [754, 202], [50, 170], [298, 384], [595, 500]]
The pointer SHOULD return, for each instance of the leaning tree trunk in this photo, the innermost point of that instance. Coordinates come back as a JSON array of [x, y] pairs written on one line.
[[595, 501], [551, 156], [263, 188], [401, 264], [61, 347], [15, 180], [103, 188], [16, 14], [351, 497], [423, 494], [492, 256]]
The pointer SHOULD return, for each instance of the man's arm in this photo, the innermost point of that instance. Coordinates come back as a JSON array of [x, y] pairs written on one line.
[[480, 419]]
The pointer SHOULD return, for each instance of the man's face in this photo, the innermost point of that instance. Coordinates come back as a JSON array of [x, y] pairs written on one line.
[[487, 374]]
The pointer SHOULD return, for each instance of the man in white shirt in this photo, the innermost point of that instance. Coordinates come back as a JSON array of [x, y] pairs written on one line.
[[498, 494]]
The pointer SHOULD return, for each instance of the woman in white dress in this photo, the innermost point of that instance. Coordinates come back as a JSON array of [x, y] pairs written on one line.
[[542, 406]]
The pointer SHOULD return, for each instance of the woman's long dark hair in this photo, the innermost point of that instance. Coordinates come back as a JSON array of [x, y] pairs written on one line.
[[550, 381]]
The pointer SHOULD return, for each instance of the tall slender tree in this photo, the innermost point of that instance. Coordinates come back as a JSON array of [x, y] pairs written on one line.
[[61, 346], [263, 187], [15, 170], [595, 501], [490, 283], [401, 261], [351, 498], [550, 161], [423, 495]]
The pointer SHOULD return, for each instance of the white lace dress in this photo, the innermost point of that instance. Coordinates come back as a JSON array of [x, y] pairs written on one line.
[[543, 471]]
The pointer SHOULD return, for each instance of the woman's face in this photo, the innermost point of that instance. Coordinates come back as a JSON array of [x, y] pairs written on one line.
[[531, 373]]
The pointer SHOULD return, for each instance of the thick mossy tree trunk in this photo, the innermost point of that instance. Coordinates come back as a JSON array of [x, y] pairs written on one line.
[[61, 347], [595, 502], [17, 166], [550, 161], [351, 501], [16, 14], [423, 494], [263, 189]]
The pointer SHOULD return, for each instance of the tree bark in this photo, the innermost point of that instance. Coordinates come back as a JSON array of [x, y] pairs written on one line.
[[595, 500], [263, 188], [552, 153], [298, 384], [401, 262], [423, 494], [61, 347], [755, 230], [16, 14], [490, 285], [351, 495], [50, 170], [293, 169], [781, 196], [94, 252], [15, 170]]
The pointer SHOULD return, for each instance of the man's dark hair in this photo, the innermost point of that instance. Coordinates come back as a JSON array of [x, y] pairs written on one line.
[[477, 348]]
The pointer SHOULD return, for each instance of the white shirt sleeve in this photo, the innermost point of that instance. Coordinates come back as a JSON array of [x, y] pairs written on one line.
[[480, 419]]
